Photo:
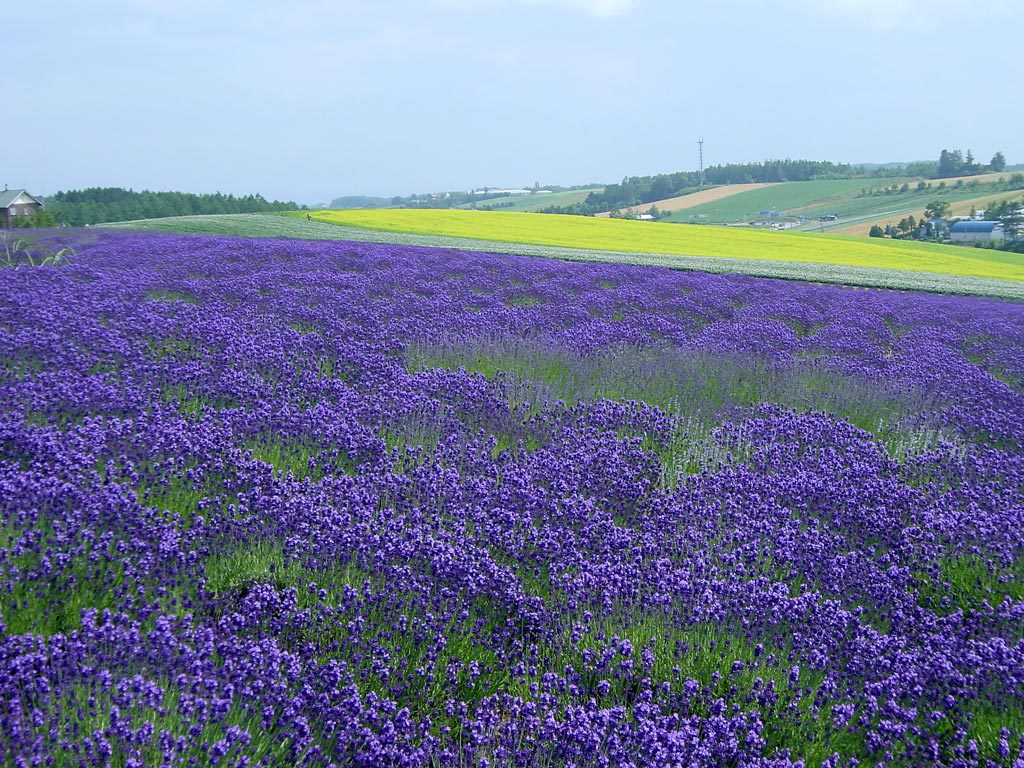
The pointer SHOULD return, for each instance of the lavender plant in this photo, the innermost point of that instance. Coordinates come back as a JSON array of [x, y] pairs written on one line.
[[327, 504]]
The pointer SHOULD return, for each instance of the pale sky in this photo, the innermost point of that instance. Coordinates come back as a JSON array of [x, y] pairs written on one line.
[[309, 100]]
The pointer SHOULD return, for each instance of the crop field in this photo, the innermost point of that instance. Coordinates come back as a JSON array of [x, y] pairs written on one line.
[[717, 242], [843, 198], [694, 199], [537, 202], [270, 225], [269, 502], [904, 205], [787, 196]]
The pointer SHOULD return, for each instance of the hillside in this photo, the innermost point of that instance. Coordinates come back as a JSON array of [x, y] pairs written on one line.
[[297, 227], [817, 254], [960, 205], [532, 202], [786, 198], [858, 203], [694, 199]]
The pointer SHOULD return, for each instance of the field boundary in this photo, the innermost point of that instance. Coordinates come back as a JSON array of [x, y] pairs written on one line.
[[270, 225]]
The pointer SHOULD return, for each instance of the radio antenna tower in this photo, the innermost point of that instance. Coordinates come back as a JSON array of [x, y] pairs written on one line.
[[700, 149]]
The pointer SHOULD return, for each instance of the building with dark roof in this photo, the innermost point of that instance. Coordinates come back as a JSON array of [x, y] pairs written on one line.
[[976, 231], [17, 204]]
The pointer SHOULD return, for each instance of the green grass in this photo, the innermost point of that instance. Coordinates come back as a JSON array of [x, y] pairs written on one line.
[[895, 206], [709, 654], [86, 708], [966, 582], [54, 605], [844, 198], [289, 457], [696, 389], [171, 296], [262, 562], [790, 196], [988, 719]]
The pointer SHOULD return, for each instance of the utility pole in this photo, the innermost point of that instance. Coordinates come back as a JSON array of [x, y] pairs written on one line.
[[700, 150]]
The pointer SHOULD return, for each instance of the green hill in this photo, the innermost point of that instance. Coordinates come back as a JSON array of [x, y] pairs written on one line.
[[853, 201], [531, 202], [904, 267]]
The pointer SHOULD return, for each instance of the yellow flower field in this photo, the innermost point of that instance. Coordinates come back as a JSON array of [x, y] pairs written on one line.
[[685, 240]]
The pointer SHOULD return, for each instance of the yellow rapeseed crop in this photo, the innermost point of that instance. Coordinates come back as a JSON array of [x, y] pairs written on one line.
[[685, 240]]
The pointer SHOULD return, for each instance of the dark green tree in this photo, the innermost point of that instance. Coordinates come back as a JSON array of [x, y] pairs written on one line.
[[951, 163], [1013, 221], [998, 163], [937, 209]]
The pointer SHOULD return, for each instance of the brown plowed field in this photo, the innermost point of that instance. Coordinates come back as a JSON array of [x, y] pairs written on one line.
[[694, 199]]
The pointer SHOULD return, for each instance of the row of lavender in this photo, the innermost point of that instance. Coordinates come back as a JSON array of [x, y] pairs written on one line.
[[255, 511]]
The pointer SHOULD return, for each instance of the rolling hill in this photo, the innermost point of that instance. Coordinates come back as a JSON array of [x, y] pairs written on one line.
[[656, 238], [788, 197], [695, 199], [747, 252], [533, 202], [857, 203]]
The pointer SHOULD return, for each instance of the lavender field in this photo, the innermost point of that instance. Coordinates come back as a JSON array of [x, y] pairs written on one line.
[[300, 503]]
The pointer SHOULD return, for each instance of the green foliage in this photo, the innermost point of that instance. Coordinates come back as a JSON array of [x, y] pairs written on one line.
[[165, 294], [287, 458], [99, 204], [967, 582], [234, 570], [953, 163], [86, 708], [937, 209], [52, 606], [25, 252], [635, 190], [41, 218], [695, 389]]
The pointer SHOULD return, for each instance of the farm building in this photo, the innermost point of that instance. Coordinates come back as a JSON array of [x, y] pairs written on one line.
[[976, 231], [17, 203]]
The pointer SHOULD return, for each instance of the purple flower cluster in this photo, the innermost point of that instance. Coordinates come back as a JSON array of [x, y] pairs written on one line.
[[327, 504]]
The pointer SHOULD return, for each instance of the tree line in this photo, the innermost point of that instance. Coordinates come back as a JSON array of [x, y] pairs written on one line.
[[638, 190], [952, 162], [934, 225], [96, 205]]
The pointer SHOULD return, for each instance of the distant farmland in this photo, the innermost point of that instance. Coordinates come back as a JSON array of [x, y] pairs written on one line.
[[695, 199], [535, 202], [655, 238], [858, 203], [785, 197], [959, 205]]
